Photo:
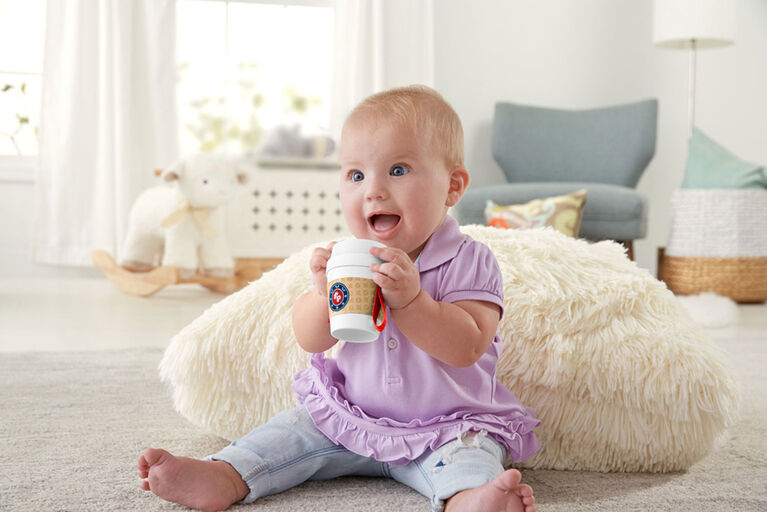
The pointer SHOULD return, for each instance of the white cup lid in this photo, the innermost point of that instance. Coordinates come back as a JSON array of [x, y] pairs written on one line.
[[353, 252], [355, 245]]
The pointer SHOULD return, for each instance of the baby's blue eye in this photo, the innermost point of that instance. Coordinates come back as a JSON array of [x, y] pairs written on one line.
[[357, 176], [399, 170]]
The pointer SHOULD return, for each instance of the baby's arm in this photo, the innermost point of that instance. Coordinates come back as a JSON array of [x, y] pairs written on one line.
[[310, 312], [455, 333]]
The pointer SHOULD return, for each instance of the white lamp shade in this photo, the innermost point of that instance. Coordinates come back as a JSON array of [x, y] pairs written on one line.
[[705, 23]]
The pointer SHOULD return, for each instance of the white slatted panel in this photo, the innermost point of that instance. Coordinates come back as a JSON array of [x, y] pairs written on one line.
[[284, 210]]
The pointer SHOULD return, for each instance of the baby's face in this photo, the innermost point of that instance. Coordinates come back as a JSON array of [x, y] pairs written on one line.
[[394, 186]]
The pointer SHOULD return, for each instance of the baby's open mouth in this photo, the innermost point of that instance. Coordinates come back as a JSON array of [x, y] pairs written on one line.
[[383, 221]]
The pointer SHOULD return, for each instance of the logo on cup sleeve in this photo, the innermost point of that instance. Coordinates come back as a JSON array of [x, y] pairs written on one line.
[[338, 296]]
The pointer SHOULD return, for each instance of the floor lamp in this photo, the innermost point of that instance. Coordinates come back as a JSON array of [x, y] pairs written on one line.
[[693, 25]]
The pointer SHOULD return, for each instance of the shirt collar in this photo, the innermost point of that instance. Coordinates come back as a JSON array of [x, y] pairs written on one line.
[[442, 245]]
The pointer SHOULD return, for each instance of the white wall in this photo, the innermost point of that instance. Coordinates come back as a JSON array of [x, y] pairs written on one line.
[[593, 53]]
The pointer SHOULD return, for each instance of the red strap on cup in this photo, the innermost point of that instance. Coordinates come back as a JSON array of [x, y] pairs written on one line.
[[378, 307]]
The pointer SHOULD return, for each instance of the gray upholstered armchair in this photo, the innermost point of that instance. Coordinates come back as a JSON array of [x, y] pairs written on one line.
[[546, 152]]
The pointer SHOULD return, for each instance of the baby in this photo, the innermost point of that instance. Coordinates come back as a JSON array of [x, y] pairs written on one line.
[[421, 404]]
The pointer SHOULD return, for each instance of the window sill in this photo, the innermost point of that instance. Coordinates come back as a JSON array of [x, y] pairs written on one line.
[[17, 169], [330, 164]]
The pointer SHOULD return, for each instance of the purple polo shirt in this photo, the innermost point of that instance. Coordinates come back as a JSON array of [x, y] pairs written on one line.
[[392, 401]]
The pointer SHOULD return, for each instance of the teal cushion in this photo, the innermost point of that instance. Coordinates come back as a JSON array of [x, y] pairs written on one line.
[[709, 165]]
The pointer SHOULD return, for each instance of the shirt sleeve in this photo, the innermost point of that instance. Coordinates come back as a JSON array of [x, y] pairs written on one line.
[[473, 274]]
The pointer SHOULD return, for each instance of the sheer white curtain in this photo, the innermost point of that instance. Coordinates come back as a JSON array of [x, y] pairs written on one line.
[[108, 119], [379, 44]]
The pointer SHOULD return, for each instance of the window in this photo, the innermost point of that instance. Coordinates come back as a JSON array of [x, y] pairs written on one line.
[[22, 26], [244, 66], [247, 66]]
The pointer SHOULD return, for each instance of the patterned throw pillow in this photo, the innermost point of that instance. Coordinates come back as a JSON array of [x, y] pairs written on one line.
[[563, 213]]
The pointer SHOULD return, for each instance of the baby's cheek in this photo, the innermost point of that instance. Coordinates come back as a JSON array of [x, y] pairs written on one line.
[[358, 228]]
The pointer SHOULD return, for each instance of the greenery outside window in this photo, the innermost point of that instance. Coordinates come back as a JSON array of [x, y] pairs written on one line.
[[249, 66], [22, 27]]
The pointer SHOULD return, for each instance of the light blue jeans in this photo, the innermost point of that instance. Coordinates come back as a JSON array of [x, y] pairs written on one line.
[[289, 450]]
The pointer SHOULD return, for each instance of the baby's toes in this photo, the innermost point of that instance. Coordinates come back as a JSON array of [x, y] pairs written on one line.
[[523, 491], [143, 467]]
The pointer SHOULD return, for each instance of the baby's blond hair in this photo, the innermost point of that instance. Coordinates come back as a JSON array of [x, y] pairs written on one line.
[[424, 111]]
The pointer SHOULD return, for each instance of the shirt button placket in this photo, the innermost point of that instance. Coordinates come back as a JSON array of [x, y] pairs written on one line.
[[392, 377]]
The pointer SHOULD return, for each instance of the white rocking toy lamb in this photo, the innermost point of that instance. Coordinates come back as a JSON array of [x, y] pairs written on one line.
[[184, 223]]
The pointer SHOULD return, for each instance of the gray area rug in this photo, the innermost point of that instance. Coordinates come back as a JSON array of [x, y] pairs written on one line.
[[72, 425]]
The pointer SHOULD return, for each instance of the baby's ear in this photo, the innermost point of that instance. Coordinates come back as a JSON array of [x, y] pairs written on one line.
[[459, 182], [174, 171]]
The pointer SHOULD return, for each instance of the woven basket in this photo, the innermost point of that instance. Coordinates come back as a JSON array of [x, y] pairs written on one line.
[[741, 279]]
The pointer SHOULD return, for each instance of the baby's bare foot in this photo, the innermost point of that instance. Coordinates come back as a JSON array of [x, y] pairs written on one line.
[[204, 485], [503, 494]]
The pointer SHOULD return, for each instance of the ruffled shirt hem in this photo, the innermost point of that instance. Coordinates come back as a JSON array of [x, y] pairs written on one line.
[[396, 442]]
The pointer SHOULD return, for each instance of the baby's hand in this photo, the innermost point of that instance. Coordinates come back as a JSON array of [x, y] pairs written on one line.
[[397, 276], [318, 263]]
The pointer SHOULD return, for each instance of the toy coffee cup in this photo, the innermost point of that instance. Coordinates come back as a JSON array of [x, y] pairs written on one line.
[[357, 311]]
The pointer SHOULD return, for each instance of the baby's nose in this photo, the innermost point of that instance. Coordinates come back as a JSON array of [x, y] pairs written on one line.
[[375, 190], [376, 193]]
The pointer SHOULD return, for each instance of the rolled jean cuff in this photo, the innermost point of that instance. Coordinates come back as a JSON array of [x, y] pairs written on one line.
[[437, 505], [252, 469]]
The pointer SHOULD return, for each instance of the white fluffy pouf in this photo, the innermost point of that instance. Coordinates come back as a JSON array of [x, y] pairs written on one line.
[[619, 374]]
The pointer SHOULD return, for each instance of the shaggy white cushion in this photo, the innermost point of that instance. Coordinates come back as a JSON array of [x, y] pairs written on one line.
[[619, 374]]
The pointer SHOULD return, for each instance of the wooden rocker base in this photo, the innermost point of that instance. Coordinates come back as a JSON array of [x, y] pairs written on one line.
[[147, 283]]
